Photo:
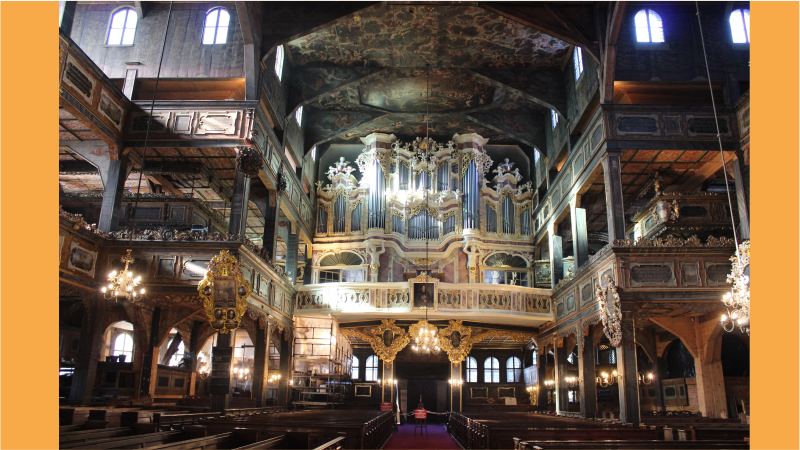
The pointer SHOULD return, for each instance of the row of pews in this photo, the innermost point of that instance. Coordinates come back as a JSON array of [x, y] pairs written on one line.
[[526, 431], [240, 429]]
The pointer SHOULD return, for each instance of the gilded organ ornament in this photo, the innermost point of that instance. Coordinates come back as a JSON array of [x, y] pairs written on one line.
[[610, 311]]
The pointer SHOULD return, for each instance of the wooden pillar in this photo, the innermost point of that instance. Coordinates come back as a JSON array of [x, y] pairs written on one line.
[[586, 369], [561, 373], [556, 259], [261, 365], [147, 381], [741, 175], [173, 347], [241, 193], [271, 215], [386, 387], [628, 372], [221, 360], [580, 236], [285, 369], [193, 350], [613, 186], [67, 16], [91, 338], [457, 389], [111, 207], [292, 244], [542, 378], [711, 397]]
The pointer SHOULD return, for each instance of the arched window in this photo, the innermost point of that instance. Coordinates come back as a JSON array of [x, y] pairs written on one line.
[[216, 28], [740, 26], [648, 26], [491, 370], [123, 27], [279, 62], [371, 370], [178, 356], [298, 116], [123, 345], [354, 368], [578, 63], [554, 118], [472, 370], [513, 369]]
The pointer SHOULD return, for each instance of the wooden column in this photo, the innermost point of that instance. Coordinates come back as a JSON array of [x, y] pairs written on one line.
[[91, 338], [586, 369], [67, 11], [580, 236], [613, 185], [292, 244], [556, 259], [271, 215], [261, 365], [387, 388], [561, 373], [542, 378], [628, 372], [193, 350], [241, 193], [111, 208], [285, 369], [221, 360], [147, 380], [741, 175], [457, 391], [710, 388]]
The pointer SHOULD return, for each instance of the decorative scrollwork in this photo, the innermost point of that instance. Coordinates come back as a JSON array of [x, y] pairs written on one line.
[[375, 336], [248, 161], [612, 321], [456, 340], [672, 241]]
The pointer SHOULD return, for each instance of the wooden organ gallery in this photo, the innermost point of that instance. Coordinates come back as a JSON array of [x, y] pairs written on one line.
[[292, 225]]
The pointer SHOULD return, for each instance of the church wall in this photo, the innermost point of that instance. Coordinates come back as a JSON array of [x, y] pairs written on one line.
[[184, 55], [680, 58], [579, 92]]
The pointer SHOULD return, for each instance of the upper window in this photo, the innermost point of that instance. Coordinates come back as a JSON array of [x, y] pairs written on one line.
[[554, 117], [298, 116], [354, 369], [491, 370], [535, 155], [123, 27], [279, 62], [216, 29], [472, 370], [513, 369], [648, 26], [178, 356], [578, 63], [314, 153], [740, 26], [371, 370], [123, 345]]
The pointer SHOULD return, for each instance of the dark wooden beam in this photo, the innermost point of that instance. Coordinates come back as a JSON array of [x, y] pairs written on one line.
[[588, 46], [609, 61], [141, 9]]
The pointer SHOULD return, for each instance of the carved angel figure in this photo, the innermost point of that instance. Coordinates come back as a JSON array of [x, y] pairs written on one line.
[[473, 251], [374, 254]]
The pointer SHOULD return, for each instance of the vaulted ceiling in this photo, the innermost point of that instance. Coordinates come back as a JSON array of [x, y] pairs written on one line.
[[369, 72]]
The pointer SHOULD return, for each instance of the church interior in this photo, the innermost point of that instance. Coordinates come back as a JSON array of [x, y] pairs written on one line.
[[335, 225]]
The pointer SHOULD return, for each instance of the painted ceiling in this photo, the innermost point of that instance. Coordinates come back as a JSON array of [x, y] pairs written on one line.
[[367, 72]]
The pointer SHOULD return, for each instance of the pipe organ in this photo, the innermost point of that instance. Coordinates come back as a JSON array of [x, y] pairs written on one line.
[[424, 190]]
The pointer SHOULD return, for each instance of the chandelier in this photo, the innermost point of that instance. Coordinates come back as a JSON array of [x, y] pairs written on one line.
[[123, 284], [738, 299], [425, 337], [605, 381]]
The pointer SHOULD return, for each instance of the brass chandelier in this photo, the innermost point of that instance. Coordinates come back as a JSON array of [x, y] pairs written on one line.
[[425, 336], [122, 284]]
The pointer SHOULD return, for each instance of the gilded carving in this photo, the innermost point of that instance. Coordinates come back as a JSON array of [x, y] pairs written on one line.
[[610, 312], [224, 292]]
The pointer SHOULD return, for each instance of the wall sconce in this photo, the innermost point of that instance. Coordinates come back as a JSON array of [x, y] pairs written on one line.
[[533, 392], [604, 381], [204, 371], [274, 378], [455, 383], [549, 384], [384, 382], [645, 379]]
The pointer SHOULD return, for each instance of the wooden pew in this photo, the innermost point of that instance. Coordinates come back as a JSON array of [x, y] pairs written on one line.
[[283, 442], [165, 422], [87, 435], [250, 411], [632, 445], [129, 441]]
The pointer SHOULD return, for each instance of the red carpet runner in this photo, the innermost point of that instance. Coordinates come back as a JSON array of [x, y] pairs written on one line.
[[436, 438]]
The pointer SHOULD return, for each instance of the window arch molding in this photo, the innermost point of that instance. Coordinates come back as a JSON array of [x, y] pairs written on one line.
[[216, 26], [122, 23]]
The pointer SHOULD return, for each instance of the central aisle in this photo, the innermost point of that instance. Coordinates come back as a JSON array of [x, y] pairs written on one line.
[[436, 438]]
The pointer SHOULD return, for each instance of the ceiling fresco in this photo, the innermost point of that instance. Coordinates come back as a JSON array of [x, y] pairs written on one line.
[[367, 72], [449, 36]]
